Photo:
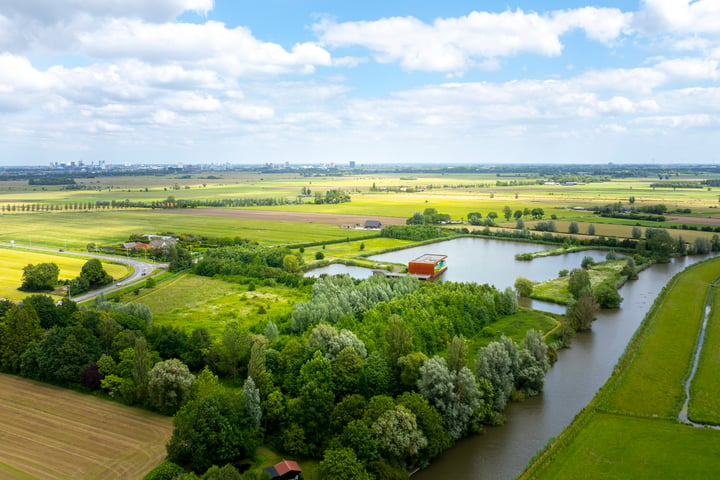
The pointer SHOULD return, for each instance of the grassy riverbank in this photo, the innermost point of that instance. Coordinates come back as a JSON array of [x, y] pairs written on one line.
[[629, 430]]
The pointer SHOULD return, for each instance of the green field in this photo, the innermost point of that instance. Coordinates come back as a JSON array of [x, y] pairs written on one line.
[[619, 447], [76, 230], [191, 301], [352, 250], [630, 428], [456, 194], [653, 384], [705, 389], [12, 261], [556, 289], [514, 326]]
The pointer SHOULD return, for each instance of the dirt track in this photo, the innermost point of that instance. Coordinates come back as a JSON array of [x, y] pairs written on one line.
[[309, 217]]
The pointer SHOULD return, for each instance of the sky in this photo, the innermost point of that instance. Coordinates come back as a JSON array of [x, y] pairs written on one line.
[[303, 81]]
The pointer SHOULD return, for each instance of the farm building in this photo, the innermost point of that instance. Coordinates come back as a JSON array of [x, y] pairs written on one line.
[[373, 224], [285, 470], [428, 265]]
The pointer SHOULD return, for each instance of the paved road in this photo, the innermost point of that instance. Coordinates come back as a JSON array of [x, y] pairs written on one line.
[[140, 270]]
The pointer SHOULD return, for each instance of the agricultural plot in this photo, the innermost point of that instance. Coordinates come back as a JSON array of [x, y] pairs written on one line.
[[619, 446], [12, 261], [653, 384], [630, 428], [191, 302], [705, 389], [48, 432], [76, 230]]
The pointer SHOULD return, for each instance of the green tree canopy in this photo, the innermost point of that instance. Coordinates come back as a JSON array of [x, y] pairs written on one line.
[[95, 274], [169, 385], [20, 329], [213, 430], [40, 278]]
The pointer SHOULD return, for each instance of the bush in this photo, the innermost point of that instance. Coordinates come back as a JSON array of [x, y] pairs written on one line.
[[319, 256], [607, 297], [587, 262], [165, 471]]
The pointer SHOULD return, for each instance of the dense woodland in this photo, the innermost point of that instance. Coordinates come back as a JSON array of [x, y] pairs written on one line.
[[375, 373]]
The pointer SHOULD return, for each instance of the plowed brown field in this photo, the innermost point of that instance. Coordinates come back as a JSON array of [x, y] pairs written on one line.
[[48, 432]]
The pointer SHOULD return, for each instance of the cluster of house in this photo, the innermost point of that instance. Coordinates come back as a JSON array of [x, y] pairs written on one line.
[[368, 225], [154, 242]]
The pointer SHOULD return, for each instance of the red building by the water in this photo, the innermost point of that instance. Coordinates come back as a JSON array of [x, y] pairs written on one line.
[[428, 265]]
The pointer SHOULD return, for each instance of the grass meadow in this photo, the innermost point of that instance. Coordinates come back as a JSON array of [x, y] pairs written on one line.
[[705, 389], [630, 428], [653, 383], [75, 230], [556, 289], [52, 433], [13, 260], [190, 301], [619, 447], [514, 326], [351, 250]]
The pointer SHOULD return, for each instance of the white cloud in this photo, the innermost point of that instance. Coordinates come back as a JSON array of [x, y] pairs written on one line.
[[676, 121], [602, 24], [611, 127], [210, 45], [640, 79], [252, 112], [678, 16], [56, 11], [460, 43], [689, 69]]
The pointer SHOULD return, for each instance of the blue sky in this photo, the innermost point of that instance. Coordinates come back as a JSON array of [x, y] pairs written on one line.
[[202, 81]]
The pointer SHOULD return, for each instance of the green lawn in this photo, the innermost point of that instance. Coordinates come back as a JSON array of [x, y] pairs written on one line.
[[705, 389], [515, 326], [190, 301], [13, 260], [352, 250], [622, 447]]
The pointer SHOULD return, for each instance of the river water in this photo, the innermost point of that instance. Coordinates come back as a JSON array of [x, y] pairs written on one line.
[[503, 452]]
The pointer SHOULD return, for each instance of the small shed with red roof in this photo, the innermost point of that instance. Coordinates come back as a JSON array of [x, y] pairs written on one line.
[[285, 470]]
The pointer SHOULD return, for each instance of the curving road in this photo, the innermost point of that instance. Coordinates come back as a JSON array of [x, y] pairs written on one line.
[[140, 270]]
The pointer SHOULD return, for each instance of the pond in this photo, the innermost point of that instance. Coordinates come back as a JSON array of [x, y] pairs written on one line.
[[478, 260]]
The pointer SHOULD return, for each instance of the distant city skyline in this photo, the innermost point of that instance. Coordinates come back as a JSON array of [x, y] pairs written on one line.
[[313, 82]]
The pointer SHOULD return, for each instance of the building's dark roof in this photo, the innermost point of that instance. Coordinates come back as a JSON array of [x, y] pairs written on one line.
[[429, 258], [373, 223]]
